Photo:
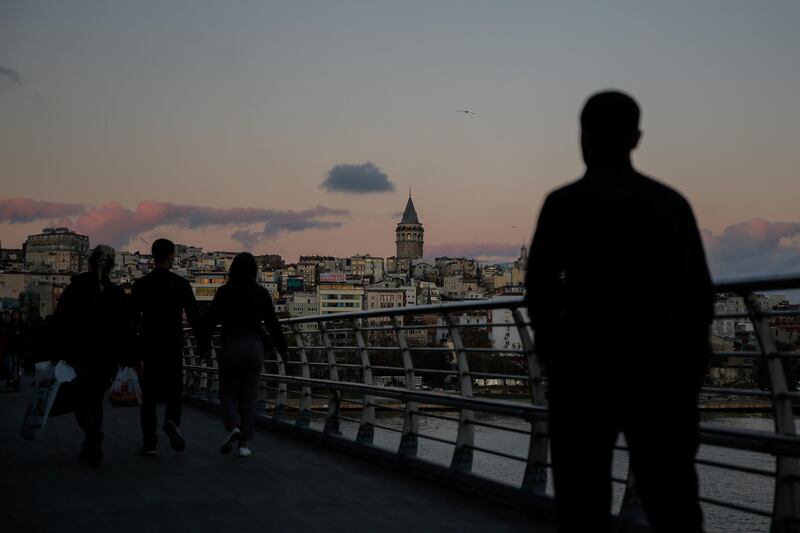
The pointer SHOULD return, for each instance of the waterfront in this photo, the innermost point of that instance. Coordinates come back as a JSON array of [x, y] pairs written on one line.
[[730, 486]]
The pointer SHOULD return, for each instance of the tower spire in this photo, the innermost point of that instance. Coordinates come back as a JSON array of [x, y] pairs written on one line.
[[410, 214], [409, 191]]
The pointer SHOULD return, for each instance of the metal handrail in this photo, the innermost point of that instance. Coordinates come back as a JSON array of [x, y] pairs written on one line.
[[342, 351], [740, 439], [505, 302]]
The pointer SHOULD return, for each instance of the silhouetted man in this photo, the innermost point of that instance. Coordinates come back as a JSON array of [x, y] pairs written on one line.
[[91, 325], [621, 301], [159, 301]]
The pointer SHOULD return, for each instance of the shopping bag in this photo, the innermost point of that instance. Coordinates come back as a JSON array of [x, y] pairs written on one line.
[[125, 391], [66, 399], [47, 381]]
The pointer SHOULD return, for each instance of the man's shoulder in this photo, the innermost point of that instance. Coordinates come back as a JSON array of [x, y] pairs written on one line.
[[662, 191], [144, 281], [82, 282], [222, 289], [161, 276], [177, 278], [642, 183], [565, 192], [83, 277]]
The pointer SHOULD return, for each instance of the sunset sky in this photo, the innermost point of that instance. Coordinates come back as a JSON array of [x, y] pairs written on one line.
[[298, 127]]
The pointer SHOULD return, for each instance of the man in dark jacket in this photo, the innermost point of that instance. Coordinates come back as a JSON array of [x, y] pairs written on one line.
[[159, 301], [91, 324], [621, 301]]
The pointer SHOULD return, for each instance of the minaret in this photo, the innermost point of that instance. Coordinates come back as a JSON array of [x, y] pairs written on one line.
[[409, 233]]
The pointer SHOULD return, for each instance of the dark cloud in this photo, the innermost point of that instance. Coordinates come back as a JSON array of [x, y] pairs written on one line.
[[357, 179], [250, 239], [8, 77], [487, 251], [114, 224], [754, 248], [21, 210], [288, 221]]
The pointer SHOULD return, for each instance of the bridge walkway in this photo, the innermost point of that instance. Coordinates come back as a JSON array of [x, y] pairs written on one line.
[[287, 485]]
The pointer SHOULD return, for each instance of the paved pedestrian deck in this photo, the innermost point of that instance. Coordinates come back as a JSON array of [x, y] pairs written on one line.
[[287, 485]]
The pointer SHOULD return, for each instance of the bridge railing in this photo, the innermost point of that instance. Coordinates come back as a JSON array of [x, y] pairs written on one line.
[[455, 391]]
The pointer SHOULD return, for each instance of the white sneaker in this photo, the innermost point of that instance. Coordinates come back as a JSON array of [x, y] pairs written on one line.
[[232, 437], [245, 452]]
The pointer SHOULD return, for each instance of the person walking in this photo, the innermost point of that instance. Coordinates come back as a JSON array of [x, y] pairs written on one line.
[[159, 301], [92, 332], [249, 328], [605, 246]]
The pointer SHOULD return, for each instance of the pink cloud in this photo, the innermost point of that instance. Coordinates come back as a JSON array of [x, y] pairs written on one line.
[[114, 224], [21, 210], [756, 247]]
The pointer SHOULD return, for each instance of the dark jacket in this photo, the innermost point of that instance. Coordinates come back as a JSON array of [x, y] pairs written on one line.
[[617, 281], [240, 309], [18, 336], [158, 303], [39, 345], [91, 326]]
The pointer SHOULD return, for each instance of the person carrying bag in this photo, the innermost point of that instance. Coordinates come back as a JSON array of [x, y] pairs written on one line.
[[48, 381], [91, 329]]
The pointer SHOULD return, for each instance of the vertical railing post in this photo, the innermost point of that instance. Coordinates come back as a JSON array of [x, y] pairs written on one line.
[[332, 420], [282, 396], [786, 507], [462, 456], [535, 479], [212, 378], [366, 429], [304, 412], [409, 442], [189, 376]]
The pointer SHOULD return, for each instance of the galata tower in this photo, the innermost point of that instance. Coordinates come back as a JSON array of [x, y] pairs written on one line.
[[409, 233]]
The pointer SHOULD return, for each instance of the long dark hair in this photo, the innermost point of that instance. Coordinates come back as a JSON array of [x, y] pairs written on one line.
[[243, 269]]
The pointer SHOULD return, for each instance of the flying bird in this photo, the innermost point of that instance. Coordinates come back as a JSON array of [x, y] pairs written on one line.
[[465, 111]]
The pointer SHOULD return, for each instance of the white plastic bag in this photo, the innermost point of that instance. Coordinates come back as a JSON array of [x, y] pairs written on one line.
[[48, 379], [64, 372], [125, 391]]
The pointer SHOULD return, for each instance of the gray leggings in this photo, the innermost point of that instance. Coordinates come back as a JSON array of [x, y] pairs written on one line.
[[241, 362]]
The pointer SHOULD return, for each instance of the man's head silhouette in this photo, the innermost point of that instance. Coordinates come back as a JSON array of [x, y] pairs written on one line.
[[163, 251], [609, 129]]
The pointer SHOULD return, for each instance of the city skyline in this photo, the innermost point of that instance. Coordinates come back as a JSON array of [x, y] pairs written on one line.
[[286, 130]]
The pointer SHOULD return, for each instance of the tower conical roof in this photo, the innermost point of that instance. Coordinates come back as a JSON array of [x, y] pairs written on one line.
[[410, 214]]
